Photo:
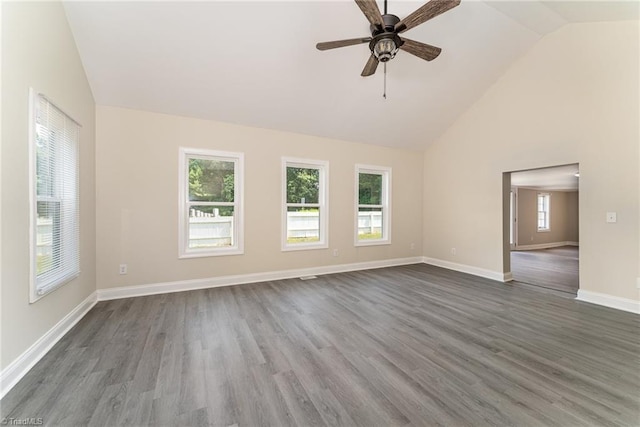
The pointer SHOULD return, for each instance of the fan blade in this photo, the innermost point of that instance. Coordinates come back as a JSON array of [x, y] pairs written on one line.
[[424, 13], [370, 67], [341, 43], [421, 50], [371, 11]]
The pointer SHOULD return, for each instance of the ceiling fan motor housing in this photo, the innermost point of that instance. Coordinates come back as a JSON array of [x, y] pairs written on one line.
[[385, 42], [390, 22]]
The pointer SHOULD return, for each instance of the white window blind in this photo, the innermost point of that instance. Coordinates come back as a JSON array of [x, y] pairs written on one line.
[[55, 211]]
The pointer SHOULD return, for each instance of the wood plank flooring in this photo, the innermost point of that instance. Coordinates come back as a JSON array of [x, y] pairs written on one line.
[[404, 346], [554, 268]]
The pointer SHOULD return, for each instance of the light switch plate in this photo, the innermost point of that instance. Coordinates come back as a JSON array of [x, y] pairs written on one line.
[[612, 217]]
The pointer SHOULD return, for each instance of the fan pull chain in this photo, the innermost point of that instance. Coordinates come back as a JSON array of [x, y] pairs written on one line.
[[384, 93]]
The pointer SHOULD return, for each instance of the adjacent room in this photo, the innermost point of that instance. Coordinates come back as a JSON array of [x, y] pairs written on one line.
[[544, 232], [251, 213]]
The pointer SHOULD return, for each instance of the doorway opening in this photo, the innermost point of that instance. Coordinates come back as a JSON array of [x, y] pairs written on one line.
[[542, 217]]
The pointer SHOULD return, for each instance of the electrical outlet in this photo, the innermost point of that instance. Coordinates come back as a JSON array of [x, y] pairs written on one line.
[[612, 217], [335, 252], [412, 246], [453, 251], [123, 268]]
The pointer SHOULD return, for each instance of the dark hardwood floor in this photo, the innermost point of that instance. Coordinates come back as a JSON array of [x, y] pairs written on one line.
[[403, 346], [554, 268]]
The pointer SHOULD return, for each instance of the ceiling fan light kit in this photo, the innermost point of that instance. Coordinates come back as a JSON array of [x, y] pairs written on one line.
[[385, 49], [385, 43], [385, 40]]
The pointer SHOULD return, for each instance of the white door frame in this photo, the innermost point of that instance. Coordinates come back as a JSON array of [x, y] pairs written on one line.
[[513, 197]]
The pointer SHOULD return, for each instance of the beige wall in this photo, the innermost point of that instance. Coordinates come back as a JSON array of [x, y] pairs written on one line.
[[137, 206], [563, 219], [38, 51], [573, 217], [573, 98]]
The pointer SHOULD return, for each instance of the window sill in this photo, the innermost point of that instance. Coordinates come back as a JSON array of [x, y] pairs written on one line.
[[55, 284], [544, 230], [205, 254], [304, 247], [372, 242]]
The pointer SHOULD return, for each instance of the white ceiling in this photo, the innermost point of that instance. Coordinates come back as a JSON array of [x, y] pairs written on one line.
[[555, 178], [255, 63]]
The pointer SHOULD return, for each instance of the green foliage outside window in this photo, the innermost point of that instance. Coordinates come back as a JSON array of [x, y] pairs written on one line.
[[370, 189], [303, 185], [212, 181]]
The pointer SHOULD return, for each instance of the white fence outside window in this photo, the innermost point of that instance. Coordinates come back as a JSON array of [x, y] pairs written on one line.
[[370, 223], [210, 230], [206, 230]]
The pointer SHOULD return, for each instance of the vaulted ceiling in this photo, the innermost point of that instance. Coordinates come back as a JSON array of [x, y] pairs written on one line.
[[255, 63]]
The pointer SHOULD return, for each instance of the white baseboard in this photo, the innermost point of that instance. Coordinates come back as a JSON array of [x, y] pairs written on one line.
[[10, 375], [544, 246], [507, 277], [476, 271], [214, 282], [624, 304]]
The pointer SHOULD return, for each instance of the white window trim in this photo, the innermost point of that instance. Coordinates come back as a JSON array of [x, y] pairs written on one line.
[[323, 203], [548, 228], [63, 277], [183, 192], [386, 204]]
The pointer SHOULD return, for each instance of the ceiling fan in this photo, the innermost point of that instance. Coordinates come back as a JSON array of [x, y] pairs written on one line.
[[385, 40]]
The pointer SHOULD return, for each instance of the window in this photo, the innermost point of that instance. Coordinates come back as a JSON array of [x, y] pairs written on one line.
[[55, 212], [305, 204], [373, 213], [544, 200], [210, 203]]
